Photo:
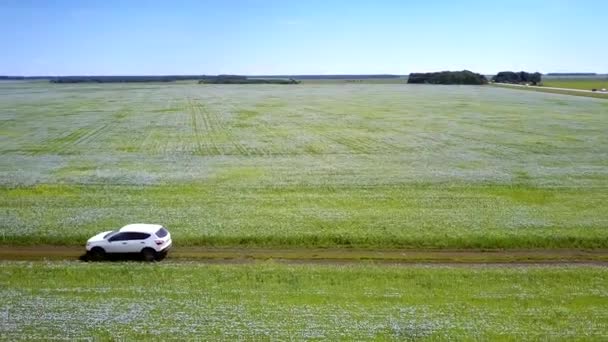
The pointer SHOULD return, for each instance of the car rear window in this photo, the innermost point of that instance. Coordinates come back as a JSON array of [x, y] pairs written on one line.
[[162, 232]]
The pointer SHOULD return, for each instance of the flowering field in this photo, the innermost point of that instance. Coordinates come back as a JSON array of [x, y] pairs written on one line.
[[277, 302], [369, 165]]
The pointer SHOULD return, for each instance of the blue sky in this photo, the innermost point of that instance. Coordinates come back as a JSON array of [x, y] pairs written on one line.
[[113, 37]]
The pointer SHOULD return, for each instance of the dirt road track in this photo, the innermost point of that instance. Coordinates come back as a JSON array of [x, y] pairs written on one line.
[[336, 255], [550, 88]]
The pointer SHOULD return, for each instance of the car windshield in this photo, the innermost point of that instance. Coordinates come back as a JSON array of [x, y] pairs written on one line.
[[109, 234]]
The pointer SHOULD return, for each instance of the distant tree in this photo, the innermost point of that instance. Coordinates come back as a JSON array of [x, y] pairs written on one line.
[[447, 77], [121, 79], [506, 77], [235, 79], [536, 78], [517, 77]]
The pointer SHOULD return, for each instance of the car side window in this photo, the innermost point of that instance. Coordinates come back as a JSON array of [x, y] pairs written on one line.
[[129, 236], [138, 236], [119, 237]]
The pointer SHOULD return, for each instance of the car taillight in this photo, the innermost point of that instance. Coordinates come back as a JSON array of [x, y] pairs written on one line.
[[159, 242]]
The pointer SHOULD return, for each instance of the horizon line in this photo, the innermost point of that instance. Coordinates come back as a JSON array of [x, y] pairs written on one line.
[[273, 75]]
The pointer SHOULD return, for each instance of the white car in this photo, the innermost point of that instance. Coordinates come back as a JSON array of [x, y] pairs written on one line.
[[152, 241]]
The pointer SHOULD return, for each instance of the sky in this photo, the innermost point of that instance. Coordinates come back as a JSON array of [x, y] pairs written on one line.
[[295, 37]]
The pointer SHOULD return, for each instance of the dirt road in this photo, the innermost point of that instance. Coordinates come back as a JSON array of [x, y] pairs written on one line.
[[549, 88], [336, 255]]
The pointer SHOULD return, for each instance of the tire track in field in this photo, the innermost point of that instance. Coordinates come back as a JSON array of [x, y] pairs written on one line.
[[203, 127], [93, 134], [6, 122], [59, 145], [82, 136], [360, 144], [260, 129], [354, 140], [67, 144], [182, 121], [241, 149], [198, 137], [145, 142], [278, 137], [213, 124]]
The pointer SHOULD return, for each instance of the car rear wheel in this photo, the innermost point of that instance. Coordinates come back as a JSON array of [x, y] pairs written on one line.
[[160, 256], [97, 254], [148, 254]]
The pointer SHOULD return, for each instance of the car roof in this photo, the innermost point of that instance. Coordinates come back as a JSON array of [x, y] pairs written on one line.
[[141, 228]]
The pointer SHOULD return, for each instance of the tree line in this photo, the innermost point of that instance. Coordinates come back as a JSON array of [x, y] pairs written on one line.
[[171, 78], [447, 77], [518, 77], [120, 79], [236, 79]]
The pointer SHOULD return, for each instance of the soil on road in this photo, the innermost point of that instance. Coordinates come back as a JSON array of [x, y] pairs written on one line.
[[336, 255]]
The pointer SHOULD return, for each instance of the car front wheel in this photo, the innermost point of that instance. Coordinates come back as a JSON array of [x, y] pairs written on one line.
[[97, 254]]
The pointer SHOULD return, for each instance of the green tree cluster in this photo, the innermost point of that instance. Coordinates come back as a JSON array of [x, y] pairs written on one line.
[[517, 77], [447, 77]]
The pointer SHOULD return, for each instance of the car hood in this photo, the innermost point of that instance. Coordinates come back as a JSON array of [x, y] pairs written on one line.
[[99, 237]]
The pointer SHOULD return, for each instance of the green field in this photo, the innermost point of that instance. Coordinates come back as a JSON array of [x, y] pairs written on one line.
[[577, 83], [385, 165], [277, 302], [312, 165]]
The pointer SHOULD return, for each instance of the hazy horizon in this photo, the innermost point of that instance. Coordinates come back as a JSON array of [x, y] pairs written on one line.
[[286, 75]]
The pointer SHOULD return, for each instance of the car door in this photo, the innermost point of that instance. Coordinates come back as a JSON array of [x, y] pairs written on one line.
[[136, 242], [118, 243]]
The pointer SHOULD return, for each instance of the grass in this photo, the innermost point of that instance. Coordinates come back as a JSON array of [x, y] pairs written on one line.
[[577, 83], [277, 302], [325, 165], [381, 216]]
